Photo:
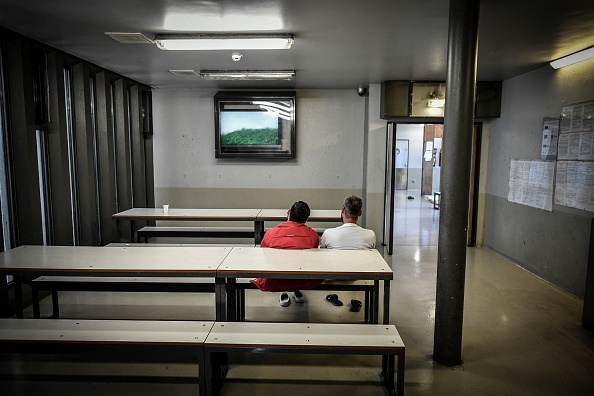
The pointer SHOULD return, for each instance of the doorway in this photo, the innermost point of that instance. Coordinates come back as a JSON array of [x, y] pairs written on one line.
[[421, 194]]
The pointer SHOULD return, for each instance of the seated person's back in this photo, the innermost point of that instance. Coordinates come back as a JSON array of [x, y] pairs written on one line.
[[349, 236], [290, 235]]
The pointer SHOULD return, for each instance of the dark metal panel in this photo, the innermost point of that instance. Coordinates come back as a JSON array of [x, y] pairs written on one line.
[[137, 144], [147, 108], [58, 161], [22, 142], [85, 156], [123, 159], [106, 160]]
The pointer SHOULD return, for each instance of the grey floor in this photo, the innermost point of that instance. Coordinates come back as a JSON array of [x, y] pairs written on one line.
[[522, 336]]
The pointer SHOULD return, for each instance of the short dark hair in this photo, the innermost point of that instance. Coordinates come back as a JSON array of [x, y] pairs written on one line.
[[299, 212], [353, 206]]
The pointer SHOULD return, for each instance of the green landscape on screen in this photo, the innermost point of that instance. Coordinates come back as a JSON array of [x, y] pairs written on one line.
[[250, 136]]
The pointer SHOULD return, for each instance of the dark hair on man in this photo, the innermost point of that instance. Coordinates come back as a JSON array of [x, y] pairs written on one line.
[[299, 212], [353, 206]]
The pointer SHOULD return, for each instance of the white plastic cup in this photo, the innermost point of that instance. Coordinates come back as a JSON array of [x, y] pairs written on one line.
[[165, 209]]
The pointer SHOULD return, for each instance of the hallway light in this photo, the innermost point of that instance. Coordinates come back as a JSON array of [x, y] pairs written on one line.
[[583, 55], [204, 42]]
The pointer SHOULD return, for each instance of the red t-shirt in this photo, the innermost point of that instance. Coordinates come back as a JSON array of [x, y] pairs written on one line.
[[289, 235]]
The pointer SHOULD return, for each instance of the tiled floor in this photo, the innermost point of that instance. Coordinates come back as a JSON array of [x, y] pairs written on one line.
[[521, 336]]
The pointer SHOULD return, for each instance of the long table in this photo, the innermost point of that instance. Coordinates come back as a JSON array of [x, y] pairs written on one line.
[[306, 264], [225, 264], [112, 261], [257, 216]]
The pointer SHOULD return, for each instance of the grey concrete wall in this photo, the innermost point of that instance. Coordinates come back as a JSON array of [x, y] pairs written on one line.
[[330, 129], [553, 245]]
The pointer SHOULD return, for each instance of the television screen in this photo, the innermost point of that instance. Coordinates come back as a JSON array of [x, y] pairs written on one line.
[[249, 128], [255, 125]]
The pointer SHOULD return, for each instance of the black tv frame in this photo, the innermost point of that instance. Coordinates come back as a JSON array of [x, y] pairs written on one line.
[[287, 143]]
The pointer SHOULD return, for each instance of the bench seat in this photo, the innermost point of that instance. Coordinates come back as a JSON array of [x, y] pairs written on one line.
[[195, 232], [367, 286], [106, 283], [303, 338], [160, 341]]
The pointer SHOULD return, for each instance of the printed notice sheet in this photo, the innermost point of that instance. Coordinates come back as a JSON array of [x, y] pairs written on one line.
[[531, 183], [575, 185], [577, 117]]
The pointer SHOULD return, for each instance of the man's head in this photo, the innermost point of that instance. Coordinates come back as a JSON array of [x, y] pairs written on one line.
[[299, 212], [352, 207]]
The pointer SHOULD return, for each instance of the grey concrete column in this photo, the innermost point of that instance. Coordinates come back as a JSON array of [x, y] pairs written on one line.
[[455, 180]]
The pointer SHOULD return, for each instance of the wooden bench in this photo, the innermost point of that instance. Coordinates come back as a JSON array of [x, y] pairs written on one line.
[[303, 338], [201, 232], [158, 341], [106, 283], [367, 286], [195, 232]]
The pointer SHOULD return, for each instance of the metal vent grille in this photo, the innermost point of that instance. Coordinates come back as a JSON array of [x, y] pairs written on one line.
[[184, 72], [129, 38]]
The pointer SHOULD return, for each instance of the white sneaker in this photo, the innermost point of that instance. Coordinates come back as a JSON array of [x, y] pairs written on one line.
[[298, 296], [284, 300]]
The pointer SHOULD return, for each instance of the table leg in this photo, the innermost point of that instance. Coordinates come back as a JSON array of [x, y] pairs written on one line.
[[231, 300], [258, 231], [220, 299], [18, 295], [132, 230]]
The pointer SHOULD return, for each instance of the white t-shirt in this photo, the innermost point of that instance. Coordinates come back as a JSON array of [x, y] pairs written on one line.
[[348, 236]]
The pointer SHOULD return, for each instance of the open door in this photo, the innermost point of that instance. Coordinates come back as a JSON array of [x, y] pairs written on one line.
[[389, 188], [401, 164]]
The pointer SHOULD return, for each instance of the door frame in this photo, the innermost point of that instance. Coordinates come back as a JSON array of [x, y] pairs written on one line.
[[390, 174]]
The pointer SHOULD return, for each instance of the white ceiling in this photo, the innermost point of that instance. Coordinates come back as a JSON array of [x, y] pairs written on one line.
[[338, 43]]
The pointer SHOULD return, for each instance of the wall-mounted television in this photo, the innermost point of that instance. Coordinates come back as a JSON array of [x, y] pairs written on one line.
[[255, 124]]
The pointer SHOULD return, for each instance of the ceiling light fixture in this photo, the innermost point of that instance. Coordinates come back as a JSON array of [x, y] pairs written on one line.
[[573, 58], [247, 74], [197, 42]]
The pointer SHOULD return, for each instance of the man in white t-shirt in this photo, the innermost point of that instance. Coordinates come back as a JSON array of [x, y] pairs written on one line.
[[349, 236]]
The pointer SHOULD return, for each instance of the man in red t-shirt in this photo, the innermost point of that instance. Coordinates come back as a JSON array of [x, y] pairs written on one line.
[[292, 234]]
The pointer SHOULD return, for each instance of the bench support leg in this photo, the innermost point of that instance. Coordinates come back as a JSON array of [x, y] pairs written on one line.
[[375, 313], [386, 302], [55, 304], [216, 365]]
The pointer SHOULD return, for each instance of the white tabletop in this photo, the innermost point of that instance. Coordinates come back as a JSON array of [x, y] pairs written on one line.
[[188, 214], [115, 261], [305, 264], [315, 215], [105, 331]]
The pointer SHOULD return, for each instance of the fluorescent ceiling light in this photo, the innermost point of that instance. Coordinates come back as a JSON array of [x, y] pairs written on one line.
[[197, 42], [247, 74], [573, 58]]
